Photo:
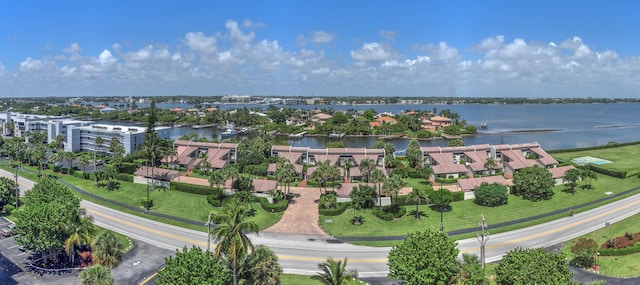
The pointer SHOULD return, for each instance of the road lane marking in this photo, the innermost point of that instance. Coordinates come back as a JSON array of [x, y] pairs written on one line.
[[545, 233]]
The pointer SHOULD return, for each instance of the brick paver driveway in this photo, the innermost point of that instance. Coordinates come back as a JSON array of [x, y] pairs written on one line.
[[301, 217]]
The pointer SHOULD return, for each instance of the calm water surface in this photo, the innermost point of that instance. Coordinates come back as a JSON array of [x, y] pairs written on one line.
[[573, 125]]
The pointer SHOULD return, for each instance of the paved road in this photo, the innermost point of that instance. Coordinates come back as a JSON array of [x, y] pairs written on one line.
[[301, 254]]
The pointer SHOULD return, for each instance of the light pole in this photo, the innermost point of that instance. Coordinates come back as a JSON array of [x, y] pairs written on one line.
[[209, 232], [17, 188], [441, 221], [482, 237]]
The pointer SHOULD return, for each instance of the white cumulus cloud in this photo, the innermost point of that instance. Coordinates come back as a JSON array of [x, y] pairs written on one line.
[[372, 52]]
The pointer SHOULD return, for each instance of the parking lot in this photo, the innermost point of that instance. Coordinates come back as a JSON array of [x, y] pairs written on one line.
[[13, 265]]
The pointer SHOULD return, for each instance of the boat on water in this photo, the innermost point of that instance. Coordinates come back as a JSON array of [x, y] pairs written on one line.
[[336, 135], [228, 133]]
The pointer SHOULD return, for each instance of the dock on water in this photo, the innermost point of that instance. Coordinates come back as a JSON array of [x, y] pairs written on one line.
[[297, 136]]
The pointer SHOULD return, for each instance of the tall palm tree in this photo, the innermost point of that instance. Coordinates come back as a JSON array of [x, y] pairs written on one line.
[[231, 172], [96, 144], [83, 161], [366, 166], [417, 196], [230, 234], [392, 186], [333, 173], [216, 178], [204, 163], [322, 174], [334, 272], [347, 164], [117, 152], [377, 177]]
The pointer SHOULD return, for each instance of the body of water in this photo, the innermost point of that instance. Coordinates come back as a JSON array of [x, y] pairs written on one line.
[[554, 126]]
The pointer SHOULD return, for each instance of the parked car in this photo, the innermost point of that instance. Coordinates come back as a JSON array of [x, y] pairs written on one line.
[[8, 230]]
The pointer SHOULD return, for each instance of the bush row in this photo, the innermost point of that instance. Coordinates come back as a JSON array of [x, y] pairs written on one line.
[[611, 145], [620, 251], [276, 207], [609, 172], [388, 213], [191, 188], [335, 211]]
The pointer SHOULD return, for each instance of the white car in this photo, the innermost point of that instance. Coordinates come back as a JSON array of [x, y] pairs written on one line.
[[8, 230]]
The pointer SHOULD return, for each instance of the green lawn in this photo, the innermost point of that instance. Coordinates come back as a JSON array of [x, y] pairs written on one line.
[[292, 279], [623, 158], [170, 202], [466, 214], [617, 266]]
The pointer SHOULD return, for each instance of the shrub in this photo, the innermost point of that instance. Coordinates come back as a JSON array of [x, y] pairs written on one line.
[[491, 195], [400, 172], [458, 196], [128, 167], [146, 203], [328, 201], [388, 213], [125, 177], [335, 212], [7, 209], [276, 207], [191, 188]]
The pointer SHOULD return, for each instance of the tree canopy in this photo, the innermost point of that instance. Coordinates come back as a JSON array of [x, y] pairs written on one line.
[[194, 266], [424, 257], [533, 266], [491, 195], [50, 210], [533, 183]]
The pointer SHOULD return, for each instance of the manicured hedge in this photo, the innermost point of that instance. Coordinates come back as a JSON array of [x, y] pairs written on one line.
[[404, 200], [609, 172], [620, 251], [386, 212], [191, 188], [335, 211], [458, 196], [128, 167], [125, 177], [277, 207], [613, 145]]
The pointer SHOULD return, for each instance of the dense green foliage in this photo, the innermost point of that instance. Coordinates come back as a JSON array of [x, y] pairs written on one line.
[[491, 195], [108, 250], [533, 183], [441, 200], [96, 275], [533, 266], [585, 250], [334, 272], [193, 266], [424, 257]]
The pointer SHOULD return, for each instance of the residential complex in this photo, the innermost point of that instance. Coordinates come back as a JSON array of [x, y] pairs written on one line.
[[83, 138]]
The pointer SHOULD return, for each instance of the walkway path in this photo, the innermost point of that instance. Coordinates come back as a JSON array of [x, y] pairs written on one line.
[[301, 217]]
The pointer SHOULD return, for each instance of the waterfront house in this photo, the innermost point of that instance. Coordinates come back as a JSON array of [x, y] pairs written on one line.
[[440, 121]]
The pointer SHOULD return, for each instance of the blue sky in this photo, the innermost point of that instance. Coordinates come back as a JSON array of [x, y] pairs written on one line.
[[320, 48]]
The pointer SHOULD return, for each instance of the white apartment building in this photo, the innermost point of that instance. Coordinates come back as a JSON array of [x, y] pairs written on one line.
[[82, 138]]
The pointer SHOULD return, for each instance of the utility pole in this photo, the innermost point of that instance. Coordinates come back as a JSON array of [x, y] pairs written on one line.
[[17, 188], [483, 237], [209, 233], [441, 220]]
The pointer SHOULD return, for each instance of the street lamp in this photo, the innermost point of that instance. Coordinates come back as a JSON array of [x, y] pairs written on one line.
[[441, 222]]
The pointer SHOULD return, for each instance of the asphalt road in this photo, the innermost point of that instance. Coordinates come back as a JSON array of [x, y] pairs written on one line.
[[301, 254]]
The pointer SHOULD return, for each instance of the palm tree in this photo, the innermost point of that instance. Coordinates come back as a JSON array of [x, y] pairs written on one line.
[[230, 234], [80, 232], [333, 173], [96, 275], [69, 156], [417, 196], [366, 166], [347, 164], [260, 267], [589, 175], [216, 178], [377, 177], [334, 272], [108, 249], [96, 144], [231, 172], [322, 174], [204, 163], [117, 152], [490, 164], [83, 160], [392, 186]]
